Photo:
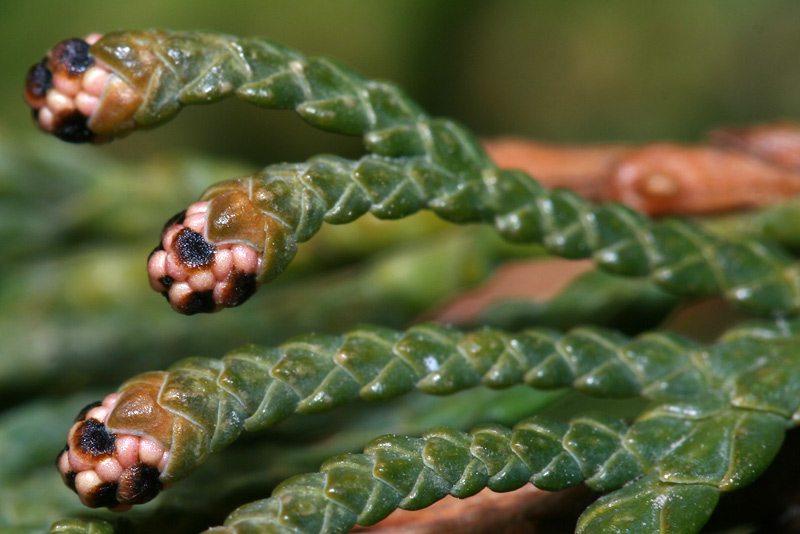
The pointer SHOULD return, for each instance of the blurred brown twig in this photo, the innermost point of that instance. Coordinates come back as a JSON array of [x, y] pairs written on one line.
[[738, 168]]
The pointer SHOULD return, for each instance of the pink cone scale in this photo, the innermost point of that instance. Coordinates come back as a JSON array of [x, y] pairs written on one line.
[[108, 469], [195, 275], [66, 88]]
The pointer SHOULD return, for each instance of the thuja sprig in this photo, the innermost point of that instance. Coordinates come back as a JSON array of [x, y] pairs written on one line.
[[244, 232], [718, 413], [719, 417]]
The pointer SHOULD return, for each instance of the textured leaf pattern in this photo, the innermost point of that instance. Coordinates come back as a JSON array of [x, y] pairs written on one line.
[[709, 430], [416, 162], [718, 413]]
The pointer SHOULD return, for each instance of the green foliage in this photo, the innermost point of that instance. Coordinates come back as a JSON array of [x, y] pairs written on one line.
[[719, 419], [417, 162], [718, 414]]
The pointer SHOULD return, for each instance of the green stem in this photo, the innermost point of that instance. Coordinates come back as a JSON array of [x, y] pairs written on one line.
[[416, 162], [605, 453], [205, 404]]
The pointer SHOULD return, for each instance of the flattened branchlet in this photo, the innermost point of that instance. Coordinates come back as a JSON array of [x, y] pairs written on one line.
[[415, 162], [704, 400], [718, 413]]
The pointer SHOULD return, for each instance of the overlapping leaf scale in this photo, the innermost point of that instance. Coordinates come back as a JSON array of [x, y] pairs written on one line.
[[203, 404], [715, 427], [417, 162], [737, 395], [669, 477], [411, 473]]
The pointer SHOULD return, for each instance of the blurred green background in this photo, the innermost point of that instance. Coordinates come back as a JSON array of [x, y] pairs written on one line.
[[582, 70], [77, 222]]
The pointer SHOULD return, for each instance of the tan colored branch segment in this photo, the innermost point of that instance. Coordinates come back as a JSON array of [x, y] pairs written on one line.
[[740, 168]]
